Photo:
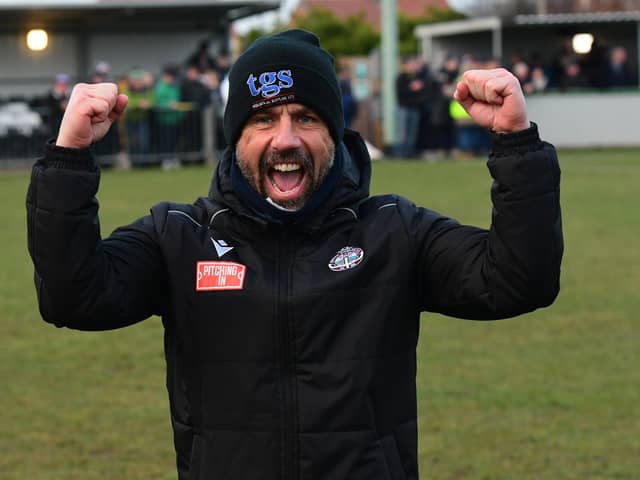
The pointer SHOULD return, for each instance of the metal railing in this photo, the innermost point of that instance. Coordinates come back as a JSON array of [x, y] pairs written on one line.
[[168, 137]]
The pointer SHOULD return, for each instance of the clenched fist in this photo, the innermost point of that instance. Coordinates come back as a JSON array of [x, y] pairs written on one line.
[[494, 99], [89, 115]]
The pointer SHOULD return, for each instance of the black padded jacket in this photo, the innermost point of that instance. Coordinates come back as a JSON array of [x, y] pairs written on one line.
[[291, 349]]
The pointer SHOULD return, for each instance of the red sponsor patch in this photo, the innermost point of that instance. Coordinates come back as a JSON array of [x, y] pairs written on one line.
[[219, 276]]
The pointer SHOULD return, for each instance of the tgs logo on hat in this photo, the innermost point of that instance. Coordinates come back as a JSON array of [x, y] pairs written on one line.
[[269, 84]]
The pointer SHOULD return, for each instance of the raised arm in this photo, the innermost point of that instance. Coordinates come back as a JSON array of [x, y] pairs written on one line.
[[494, 99], [514, 267], [82, 281], [91, 111]]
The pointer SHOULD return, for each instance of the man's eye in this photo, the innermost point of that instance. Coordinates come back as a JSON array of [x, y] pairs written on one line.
[[262, 119], [306, 119]]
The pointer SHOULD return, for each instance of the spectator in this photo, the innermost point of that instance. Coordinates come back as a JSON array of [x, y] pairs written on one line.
[[349, 102], [471, 139], [101, 73], [139, 89], [594, 64], [222, 65], [555, 67], [430, 96], [491, 63], [57, 101], [618, 70], [197, 94], [111, 145], [522, 73], [539, 80], [167, 98], [449, 72], [201, 58], [410, 88], [573, 77], [194, 90], [515, 58], [443, 126]]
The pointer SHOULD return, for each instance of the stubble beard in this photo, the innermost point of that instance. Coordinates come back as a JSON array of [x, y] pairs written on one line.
[[273, 157]]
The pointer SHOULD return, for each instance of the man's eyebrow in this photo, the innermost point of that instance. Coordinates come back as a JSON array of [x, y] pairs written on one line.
[[303, 109], [258, 114]]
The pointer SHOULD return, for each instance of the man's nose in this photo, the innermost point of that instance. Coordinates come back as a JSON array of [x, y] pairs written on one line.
[[286, 137]]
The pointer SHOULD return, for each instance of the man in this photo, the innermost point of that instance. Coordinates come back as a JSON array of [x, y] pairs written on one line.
[[140, 94], [290, 297], [57, 101], [618, 71], [412, 96], [166, 99]]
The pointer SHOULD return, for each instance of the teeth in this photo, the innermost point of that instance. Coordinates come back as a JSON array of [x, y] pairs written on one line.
[[286, 167]]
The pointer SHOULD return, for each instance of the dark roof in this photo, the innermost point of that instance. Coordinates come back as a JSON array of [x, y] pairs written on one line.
[[123, 14]]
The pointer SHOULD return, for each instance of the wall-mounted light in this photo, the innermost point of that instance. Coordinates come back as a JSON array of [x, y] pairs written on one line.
[[37, 39], [582, 43]]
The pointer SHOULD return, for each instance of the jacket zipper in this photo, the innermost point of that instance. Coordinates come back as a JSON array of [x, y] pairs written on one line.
[[289, 407]]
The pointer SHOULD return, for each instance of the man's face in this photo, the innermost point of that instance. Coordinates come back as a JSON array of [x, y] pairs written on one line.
[[285, 152]]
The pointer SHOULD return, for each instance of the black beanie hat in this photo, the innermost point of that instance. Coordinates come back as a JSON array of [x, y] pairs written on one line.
[[286, 67]]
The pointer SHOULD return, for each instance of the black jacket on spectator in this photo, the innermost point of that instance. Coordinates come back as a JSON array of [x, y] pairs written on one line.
[[620, 76], [305, 367], [195, 92], [407, 97]]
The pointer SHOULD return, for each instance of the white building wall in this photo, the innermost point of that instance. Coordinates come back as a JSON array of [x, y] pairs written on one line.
[[23, 72], [580, 120]]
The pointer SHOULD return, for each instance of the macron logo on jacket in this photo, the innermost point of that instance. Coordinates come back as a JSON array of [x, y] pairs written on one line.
[[221, 247]]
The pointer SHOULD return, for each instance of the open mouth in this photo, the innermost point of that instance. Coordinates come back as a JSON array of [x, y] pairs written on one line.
[[285, 181]]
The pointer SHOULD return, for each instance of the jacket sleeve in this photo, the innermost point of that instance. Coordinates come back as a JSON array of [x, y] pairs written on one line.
[[82, 281], [512, 268]]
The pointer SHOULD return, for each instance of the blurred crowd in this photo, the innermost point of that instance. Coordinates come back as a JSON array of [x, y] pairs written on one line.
[[164, 111], [164, 120], [432, 125]]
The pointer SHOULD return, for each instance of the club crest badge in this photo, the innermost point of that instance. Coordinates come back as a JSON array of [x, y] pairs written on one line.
[[346, 258]]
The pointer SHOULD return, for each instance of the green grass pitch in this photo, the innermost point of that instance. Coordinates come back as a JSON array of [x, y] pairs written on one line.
[[550, 395]]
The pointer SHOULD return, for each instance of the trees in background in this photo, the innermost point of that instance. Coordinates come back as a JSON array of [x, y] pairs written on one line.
[[354, 35]]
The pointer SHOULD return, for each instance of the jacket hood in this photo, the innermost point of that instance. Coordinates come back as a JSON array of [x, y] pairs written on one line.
[[351, 185]]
